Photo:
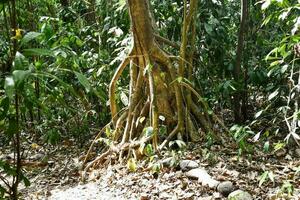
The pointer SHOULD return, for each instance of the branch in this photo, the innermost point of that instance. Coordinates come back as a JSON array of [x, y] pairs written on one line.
[[166, 41]]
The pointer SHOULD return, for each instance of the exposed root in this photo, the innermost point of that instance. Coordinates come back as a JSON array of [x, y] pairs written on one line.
[[112, 89], [157, 94], [114, 148]]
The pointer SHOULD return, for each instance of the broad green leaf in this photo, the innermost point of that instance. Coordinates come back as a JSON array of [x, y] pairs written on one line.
[[84, 81], [37, 52], [29, 37], [208, 28], [20, 75], [9, 87], [19, 61]]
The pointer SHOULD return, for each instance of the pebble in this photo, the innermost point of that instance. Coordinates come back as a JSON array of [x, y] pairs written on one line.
[[203, 177], [167, 162], [188, 164], [225, 188], [239, 195]]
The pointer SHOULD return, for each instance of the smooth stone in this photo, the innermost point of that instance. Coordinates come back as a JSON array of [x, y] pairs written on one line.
[[188, 164], [167, 162], [239, 195], [203, 177], [225, 188]]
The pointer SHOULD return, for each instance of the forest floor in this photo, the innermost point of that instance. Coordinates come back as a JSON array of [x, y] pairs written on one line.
[[54, 174]]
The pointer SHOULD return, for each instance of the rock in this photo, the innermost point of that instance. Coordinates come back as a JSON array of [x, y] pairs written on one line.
[[225, 188], [297, 153], [36, 157], [167, 162], [239, 195], [195, 173], [188, 164], [203, 177]]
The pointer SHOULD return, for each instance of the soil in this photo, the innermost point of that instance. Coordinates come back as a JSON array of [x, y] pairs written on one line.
[[263, 175]]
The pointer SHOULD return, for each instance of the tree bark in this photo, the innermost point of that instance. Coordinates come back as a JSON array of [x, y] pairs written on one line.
[[240, 96], [157, 88]]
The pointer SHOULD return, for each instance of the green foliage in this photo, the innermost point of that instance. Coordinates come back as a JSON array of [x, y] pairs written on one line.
[[267, 175], [240, 134], [56, 80]]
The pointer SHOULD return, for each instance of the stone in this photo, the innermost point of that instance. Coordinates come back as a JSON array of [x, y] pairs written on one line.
[[203, 177], [167, 162], [36, 157], [188, 164], [225, 188], [239, 195]]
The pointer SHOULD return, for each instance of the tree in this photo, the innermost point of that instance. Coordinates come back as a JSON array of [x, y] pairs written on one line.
[[160, 84], [240, 97]]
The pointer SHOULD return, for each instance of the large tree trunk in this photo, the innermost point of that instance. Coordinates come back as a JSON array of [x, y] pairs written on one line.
[[157, 87], [158, 92]]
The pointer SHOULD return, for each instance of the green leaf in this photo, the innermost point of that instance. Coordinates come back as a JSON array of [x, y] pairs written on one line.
[[13, 127], [84, 81], [284, 68], [263, 178], [9, 87], [267, 146], [258, 114], [181, 144], [4, 107], [26, 181], [20, 75], [271, 176], [273, 94], [108, 131], [266, 4], [148, 131], [149, 150], [28, 37], [20, 61], [37, 52], [208, 28], [131, 165]]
